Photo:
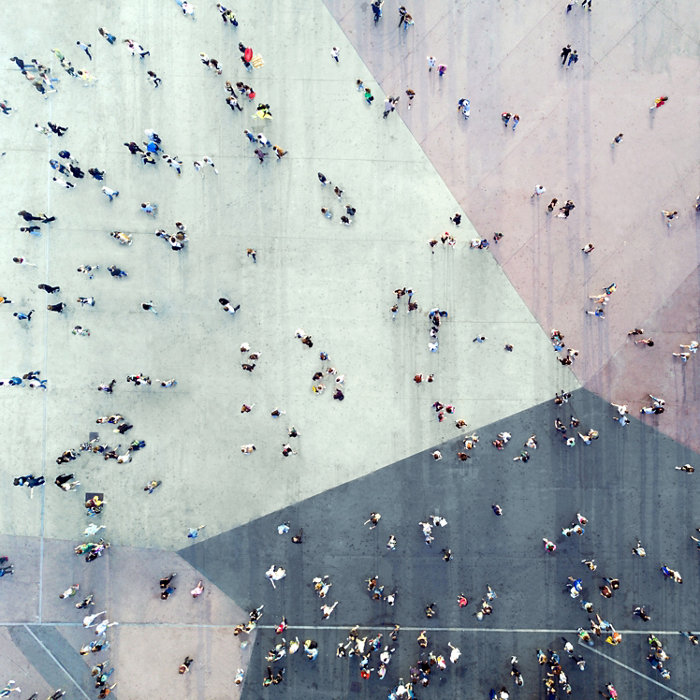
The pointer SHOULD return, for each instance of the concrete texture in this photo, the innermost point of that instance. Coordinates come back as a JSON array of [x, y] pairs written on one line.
[[485, 665], [406, 175], [16, 666], [54, 658], [48, 631], [311, 273], [504, 57], [631, 370], [147, 656], [624, 483]]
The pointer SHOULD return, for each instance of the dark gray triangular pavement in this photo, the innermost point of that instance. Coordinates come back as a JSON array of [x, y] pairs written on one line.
[[55, 659], [624, 483]]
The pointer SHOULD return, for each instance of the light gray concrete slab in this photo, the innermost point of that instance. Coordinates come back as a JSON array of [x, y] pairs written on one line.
[[333, 281], [683, 15], [21, 590]]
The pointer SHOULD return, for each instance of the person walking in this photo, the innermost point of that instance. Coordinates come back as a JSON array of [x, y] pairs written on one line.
[[228, 307], [57, 128], [110, 193], [402, 15], [70, 591], [106, 690], [154, 78], [30, 480], [10, 687], [28, 216], [671, 574], [669, 216], [463, 106], [193, 532], [109, 37], [63, 481], [23, 261], [185, 665], [89, 620], [565, 53], [148, 208], [20, 316], [85, 47]]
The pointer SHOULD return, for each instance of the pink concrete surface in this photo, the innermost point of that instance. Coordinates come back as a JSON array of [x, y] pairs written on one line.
[[150, 631], [125, 582], [635, 370], [504, 57], [147, 658]]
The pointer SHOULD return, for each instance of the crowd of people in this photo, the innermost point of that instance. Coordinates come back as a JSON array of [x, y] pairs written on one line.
[[372, 651]]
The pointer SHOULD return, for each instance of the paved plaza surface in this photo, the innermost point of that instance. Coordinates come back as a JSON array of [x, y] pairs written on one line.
[[406, 176], [618, 482], [501, 56]]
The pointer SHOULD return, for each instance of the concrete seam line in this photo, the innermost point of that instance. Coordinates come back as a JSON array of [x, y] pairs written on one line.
[[57, 662], [638, 673]]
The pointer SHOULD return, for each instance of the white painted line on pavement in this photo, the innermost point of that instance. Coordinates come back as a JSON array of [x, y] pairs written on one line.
[[341, 628], [58, 663], [44, 427], [638, 673], [461, 629]]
